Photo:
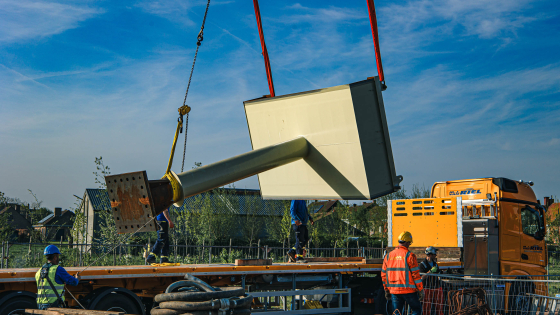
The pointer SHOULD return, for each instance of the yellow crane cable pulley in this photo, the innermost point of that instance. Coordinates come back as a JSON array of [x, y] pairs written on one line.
[[183, 110]]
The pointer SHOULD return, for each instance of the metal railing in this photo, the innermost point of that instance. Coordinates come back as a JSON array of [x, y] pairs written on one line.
[[30, 255], [452, 294]]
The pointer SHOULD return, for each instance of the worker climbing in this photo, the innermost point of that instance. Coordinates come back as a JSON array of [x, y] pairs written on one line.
[[401, 277], [51, 279], [300, 217]]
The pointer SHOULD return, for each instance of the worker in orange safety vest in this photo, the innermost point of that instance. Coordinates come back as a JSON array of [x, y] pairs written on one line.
[[401, 277]]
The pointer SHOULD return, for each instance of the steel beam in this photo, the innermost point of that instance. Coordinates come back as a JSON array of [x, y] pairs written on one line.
[[236, 168], [135, 202]]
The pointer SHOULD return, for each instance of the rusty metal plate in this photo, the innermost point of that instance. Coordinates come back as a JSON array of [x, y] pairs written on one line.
[[131, 202]]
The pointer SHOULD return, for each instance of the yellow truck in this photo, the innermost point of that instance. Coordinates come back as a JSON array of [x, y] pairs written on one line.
[[498, 223], [494, 226]]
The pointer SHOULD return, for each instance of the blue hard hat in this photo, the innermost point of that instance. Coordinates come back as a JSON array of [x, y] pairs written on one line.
[[51, 249]]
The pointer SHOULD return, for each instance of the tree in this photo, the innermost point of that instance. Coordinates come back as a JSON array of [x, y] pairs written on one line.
[[102, 171], [107, 228], [79, 228], [419, 192], [6, 230], [553, 226], [38, 212], [279, 228], [252, 222]]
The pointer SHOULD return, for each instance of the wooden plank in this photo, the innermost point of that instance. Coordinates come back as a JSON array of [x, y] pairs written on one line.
[[71, 311], [40, 312], [372, 261], [253, 262], [333, 259]]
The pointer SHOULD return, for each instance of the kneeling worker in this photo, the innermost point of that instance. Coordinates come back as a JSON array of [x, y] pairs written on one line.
[[401, 277], [51, 279]]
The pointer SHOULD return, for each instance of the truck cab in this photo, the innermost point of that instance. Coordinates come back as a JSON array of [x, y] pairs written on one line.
[[518, 217]]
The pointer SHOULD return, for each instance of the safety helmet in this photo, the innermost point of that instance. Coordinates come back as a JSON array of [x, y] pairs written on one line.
[[405, 237], [431, 250], [51, 249]]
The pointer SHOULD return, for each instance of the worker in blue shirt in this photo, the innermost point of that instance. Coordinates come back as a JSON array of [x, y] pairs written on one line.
[[300, 217], [161, 247], [51, 279]]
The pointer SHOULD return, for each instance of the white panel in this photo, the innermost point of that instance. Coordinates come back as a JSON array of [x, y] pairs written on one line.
[[334, 168], [459, 212]]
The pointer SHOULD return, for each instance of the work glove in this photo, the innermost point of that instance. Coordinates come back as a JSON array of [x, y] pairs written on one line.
[[421, 295], [388, 295], [434, 269]]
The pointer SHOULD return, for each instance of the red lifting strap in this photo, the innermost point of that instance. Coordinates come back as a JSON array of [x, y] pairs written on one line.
[[373, 22], [264, 51]]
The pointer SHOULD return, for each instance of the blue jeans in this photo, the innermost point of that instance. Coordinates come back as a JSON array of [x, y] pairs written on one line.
[[411, 299], [161, 247]]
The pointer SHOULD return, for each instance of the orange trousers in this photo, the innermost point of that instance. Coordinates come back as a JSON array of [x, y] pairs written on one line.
[[433, 297]]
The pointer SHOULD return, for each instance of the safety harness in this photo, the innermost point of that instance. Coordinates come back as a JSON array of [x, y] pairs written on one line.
[[44, 274]]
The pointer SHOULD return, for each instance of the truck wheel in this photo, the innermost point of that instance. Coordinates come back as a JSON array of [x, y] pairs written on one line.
[[115, 302], [519, 302], [17, 305], [381, 305]]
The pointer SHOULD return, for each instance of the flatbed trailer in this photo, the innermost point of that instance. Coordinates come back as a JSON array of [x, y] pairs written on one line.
[[132, 288]]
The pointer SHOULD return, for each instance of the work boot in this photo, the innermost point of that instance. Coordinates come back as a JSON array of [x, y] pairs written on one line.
[[291, 255], [164, 259], [151, 258]]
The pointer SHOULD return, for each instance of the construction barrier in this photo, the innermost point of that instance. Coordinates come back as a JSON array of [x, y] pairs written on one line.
[[463, 294]]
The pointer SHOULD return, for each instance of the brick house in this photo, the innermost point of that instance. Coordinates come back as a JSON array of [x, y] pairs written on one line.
[[56, 226]]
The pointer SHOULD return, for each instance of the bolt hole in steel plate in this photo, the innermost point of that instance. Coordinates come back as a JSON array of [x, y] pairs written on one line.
[[131, 201]]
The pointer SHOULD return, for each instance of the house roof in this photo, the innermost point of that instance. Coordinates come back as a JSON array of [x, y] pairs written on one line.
[[234, 201], [322, 206], [46, 219], [99, 199], [222, 200], [18, 221], [64, 219]]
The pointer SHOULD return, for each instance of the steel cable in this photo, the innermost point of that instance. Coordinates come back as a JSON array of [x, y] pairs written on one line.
[[199, 38]]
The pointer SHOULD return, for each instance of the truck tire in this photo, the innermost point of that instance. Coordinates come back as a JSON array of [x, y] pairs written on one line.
[[381, 306], [17, 305], [118, 303], [519, 302]]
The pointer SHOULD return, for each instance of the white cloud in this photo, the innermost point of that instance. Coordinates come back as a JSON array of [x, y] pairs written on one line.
[[410, 28], [25, 19], [554, 142]]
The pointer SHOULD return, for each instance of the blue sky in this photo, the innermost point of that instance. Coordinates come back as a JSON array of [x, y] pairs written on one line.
[[473, 86]]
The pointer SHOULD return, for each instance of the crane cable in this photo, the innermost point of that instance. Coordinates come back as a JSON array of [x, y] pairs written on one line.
[[183, 110], [199, 38]]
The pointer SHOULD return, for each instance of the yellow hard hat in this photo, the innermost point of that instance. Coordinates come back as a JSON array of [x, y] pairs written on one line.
[[405, 237]]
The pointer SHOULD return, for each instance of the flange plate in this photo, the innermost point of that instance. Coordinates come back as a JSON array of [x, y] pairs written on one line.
[[131, 202]]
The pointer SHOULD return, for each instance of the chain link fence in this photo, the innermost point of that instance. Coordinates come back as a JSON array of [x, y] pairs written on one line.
[[30, 255]]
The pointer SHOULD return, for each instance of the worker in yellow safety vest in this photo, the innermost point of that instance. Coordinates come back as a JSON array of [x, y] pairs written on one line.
[[51, 279], [401, 277]]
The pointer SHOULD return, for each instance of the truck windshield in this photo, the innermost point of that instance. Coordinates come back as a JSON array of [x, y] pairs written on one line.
[[532, 223]]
